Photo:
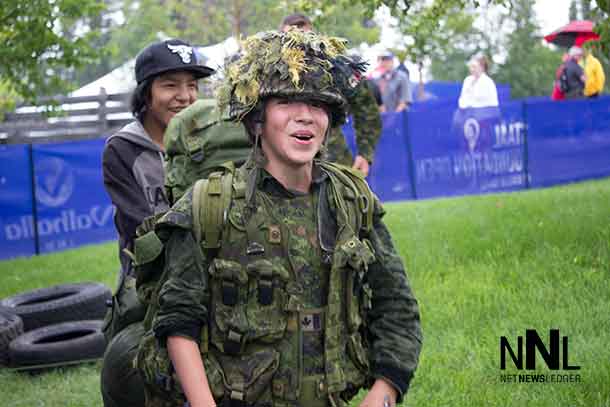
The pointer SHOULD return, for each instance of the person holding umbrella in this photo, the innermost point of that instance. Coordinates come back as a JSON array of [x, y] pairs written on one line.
[[573, 77], [572, 81]]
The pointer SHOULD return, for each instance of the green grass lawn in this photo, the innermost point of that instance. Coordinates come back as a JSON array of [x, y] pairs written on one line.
[[482, 267]]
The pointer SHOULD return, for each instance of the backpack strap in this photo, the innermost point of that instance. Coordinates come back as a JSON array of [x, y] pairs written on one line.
[[365, 199], [211, 201]]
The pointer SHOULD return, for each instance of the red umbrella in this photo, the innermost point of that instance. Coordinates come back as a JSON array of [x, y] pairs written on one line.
[[574, 33]]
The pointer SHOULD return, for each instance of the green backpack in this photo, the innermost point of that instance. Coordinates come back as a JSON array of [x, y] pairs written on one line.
[[198, 141]]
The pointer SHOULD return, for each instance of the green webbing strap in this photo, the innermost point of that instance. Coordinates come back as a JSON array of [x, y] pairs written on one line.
[[354, 180], [212, 212], [366, 201], [199, 189], [333, 352]]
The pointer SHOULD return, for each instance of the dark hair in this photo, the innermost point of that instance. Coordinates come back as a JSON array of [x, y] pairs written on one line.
[[297, 20], [140, 97]]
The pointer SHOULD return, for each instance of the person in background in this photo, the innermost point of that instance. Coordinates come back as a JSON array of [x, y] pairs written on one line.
[[394, 84], [364, 111], [594, 73], [575, 75], [557, 93], [478, 89], [376, 93], [167, 75]]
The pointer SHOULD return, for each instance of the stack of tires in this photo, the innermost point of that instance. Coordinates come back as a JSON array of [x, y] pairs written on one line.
[[53, 326]]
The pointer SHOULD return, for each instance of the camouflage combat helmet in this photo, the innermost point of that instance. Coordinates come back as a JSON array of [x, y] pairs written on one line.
[[294, 64]]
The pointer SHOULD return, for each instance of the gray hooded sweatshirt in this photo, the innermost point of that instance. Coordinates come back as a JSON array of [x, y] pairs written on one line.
[[133, 177]]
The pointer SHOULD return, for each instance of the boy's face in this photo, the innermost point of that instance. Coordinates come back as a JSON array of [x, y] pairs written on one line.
[[170, 93], [293, 132]]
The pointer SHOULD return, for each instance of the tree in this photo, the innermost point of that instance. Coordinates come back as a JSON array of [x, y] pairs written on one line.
[[574, 13], [448, 63], [206, 22], [529, 67], [585, 9], [347, 23], [40, 38], [425, 15], [451, 50]]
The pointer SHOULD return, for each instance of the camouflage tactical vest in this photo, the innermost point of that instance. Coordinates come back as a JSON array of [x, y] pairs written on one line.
[[258, 321]]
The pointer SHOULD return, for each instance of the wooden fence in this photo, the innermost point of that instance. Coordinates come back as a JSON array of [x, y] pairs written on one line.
[[66, 118]]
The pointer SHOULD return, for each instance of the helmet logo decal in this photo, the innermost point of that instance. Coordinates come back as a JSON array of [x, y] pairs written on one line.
[[184, 51]]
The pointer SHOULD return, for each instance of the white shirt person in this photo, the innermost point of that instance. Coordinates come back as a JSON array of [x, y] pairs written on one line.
[[478, 89]]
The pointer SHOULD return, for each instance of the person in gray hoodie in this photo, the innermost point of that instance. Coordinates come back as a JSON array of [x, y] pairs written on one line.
[[167, 75]]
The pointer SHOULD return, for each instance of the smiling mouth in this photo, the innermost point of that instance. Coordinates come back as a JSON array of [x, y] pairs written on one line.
[[303, 137]]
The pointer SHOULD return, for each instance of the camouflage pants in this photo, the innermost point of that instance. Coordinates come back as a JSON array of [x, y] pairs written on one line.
[[121, 384]]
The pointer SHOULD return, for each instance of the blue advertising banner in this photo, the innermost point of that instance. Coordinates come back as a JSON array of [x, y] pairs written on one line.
[[568, 141], [433, 150], [16, 238], [73, 208], [467, 151], [389, 174]]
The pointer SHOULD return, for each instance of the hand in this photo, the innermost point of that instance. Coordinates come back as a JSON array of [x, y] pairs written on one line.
[[401, 106], [361, 164], [382, 394]]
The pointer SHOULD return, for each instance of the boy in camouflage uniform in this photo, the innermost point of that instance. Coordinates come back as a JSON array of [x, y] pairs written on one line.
[[304, 301]]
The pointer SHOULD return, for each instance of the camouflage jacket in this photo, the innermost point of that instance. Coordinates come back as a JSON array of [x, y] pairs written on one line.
[[367, 126], [200, 292]]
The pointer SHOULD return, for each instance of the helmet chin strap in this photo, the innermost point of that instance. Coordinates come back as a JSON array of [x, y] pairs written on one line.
[[259, 160]]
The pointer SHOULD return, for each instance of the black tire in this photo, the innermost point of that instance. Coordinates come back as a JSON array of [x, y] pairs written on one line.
[[60, 303], [56, 344], [11, 326]]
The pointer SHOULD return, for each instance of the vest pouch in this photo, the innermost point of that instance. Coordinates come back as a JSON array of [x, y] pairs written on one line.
[[229, 281], [148, 264], [354, 253], [354, 256], [247, 378], [357, 352], [125, 308], [228, 287], [267, 299]]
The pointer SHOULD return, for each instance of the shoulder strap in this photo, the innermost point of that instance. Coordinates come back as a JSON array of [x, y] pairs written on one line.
[[365, 199], [211, 201]]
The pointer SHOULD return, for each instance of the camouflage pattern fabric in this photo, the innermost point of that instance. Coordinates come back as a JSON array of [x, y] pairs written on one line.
[[300, 65], [197, 141], [367, 126], [269, 299]]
